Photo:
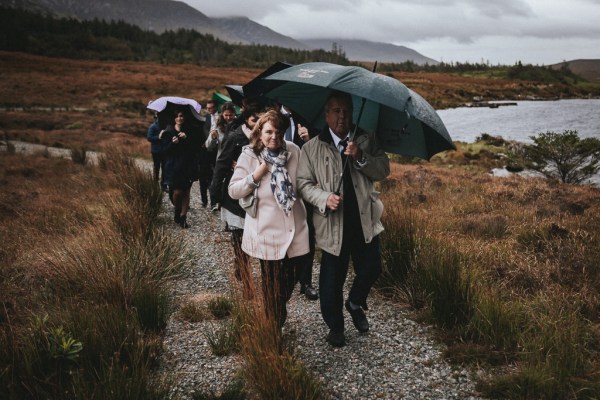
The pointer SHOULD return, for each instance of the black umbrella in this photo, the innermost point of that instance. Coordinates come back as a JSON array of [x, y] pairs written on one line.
[[236, 94], [255, 89]]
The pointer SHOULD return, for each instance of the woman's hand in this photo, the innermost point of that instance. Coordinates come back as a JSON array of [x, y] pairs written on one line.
[[260, 171], [182, 135], [214, 134]]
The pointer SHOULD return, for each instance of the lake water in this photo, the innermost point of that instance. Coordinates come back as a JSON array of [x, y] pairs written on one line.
[[525, 119]]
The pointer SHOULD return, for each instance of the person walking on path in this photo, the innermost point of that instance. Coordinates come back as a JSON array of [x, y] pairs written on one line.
[[214, 142], [157, 149], [278, 234], [298, 133], [347, 224], [207, 158], [181, 164], [232, 214]]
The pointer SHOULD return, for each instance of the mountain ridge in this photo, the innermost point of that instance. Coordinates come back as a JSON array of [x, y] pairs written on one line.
[[162, 15]]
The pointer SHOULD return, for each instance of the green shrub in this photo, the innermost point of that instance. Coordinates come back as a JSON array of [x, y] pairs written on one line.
[[564, 156]]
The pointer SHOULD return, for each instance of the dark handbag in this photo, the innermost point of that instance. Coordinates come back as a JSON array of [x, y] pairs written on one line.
[[250, 203]]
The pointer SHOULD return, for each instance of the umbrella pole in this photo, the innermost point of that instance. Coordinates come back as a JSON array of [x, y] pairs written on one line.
[[351, 137]]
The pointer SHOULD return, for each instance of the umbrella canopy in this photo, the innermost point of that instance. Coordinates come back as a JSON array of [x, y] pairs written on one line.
[[402, 120], [236, 94], [258, 86], [164, 103]]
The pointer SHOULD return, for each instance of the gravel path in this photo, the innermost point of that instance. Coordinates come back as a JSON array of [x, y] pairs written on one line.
[[397, 358]]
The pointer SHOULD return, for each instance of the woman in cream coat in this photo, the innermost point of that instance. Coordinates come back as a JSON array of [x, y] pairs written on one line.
[[278, 235]]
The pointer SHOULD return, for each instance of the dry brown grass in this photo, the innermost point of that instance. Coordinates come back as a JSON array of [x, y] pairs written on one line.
[[531, 233], [530, 251], [101, 104]]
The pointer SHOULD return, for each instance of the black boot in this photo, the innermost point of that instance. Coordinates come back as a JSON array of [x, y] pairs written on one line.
[[183, 222], [177, 216]]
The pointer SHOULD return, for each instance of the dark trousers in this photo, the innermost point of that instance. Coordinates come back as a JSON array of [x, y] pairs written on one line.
[[241, 259], [305, 277], [278, 280], [204, 182], [158, 164], [366, 259]]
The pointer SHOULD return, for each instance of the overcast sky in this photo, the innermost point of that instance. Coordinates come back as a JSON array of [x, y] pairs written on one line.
[[495, 31]]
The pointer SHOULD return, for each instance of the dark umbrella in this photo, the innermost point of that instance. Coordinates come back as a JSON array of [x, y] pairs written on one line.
[[236, 94], [402, 120], [258, 86]]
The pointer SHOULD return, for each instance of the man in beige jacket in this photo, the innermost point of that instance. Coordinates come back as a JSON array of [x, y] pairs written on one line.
[[347, 224]]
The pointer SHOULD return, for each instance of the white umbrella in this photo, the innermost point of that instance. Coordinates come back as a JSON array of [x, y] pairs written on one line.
[[162, 103]]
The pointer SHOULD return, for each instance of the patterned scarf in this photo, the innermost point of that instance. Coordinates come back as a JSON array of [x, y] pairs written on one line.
[[281, 185]]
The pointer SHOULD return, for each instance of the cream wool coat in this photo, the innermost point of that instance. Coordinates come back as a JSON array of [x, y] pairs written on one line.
[[271, 235]]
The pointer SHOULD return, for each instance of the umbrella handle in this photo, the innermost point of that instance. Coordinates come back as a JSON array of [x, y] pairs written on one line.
[[351, 136]]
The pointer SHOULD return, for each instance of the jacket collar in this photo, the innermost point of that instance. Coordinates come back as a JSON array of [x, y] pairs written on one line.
[[325, 135]]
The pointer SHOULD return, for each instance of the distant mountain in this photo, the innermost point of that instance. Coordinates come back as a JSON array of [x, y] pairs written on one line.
[[247, 31], [587, 69], [364, 50], [154, 15], [162, 15]]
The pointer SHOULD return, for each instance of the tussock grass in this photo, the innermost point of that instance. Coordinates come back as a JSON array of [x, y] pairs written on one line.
[[102, 273], [223, 339], [508, 270], [270, 369]]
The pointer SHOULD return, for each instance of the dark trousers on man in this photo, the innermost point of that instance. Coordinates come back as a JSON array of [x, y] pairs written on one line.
[[158, 165], [305, 277], [204, 182], [366, 259]]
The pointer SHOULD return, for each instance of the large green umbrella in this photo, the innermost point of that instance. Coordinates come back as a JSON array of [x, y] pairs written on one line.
[[402, 120]]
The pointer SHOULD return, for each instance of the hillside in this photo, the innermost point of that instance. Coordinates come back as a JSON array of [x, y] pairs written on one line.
[[247, 31], [364, 50], [153, 15], [587, 69], [162, 15]]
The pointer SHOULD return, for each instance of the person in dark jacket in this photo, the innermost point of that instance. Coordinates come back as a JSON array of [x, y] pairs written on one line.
[[207, 158], [215, 140], [298, 133], [181, 163], [157, 149], [232, 214]]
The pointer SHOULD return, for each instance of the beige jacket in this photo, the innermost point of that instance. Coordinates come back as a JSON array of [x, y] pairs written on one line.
[[271, 235], [319, 174]]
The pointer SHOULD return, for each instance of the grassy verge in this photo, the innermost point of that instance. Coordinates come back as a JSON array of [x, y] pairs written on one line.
[[507, 268], [84, 279]]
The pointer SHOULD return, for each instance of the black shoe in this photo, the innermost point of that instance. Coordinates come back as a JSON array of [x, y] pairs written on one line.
[[177, 216], [204, 205], [183, 222], [336, 339], [310, 293], [358, 318]]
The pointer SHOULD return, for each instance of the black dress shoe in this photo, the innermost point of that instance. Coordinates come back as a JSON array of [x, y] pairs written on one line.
[[311, 293], [359, 319], [336, 339]]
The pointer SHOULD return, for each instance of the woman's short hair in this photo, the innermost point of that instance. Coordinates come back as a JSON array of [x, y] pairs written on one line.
[[276, 119]]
